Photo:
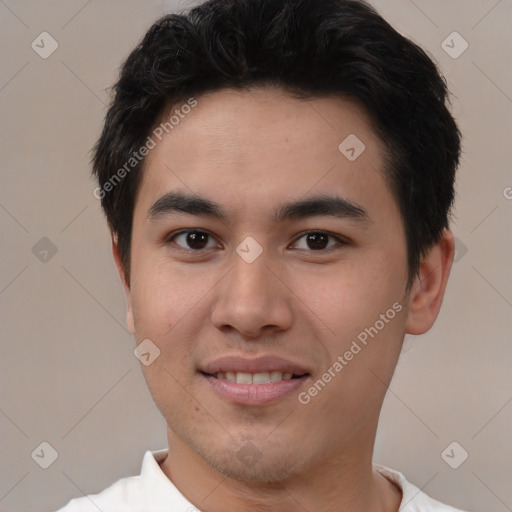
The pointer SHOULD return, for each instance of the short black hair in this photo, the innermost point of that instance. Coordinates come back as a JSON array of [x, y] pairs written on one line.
[[308, 48]]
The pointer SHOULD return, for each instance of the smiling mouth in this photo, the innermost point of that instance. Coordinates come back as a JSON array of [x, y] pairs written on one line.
[[255, 378]]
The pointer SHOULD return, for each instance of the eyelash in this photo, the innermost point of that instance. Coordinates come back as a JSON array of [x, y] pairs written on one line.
[[341, 241]]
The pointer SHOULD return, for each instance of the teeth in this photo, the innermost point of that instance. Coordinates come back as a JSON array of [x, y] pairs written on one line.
[[276, 376], [254, 378], [261, 378], [243, 378]]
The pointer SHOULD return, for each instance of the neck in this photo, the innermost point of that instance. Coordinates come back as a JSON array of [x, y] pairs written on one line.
[[333, 483]]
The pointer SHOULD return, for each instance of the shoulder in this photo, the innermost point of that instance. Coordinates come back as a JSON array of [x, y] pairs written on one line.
[[413, 499], [126, 494], [151, 490], [123, 496]]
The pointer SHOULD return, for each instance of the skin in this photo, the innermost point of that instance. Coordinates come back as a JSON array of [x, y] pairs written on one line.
[[250, 152]]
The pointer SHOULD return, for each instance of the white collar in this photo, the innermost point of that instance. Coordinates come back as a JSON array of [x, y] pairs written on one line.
[[159, 489]]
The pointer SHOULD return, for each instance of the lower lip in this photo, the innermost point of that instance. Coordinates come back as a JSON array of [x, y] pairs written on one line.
[[254, 394]]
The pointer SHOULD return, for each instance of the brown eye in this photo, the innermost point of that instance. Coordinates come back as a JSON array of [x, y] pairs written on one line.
[[317, 241], [193, 240]]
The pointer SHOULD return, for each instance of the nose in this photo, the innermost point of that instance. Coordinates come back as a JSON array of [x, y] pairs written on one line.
[[252, 300]]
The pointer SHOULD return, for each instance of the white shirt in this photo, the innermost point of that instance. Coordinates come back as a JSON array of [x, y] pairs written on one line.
[[152, 491]]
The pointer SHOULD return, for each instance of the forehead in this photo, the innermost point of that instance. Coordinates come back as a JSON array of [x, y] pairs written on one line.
[[261, 146]]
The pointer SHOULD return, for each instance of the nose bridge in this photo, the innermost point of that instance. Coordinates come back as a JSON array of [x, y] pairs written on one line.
[[251, 280], [251, 297]]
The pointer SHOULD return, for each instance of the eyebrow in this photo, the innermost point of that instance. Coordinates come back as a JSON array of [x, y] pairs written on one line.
[[319, 205]]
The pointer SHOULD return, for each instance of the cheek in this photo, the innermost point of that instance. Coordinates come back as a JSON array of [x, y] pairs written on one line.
[[367, 318], [162, 304], [155, 292], [165, 301], [351, 295], [362, 305]]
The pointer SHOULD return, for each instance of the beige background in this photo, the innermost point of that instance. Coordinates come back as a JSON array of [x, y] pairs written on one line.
[[68, 373]]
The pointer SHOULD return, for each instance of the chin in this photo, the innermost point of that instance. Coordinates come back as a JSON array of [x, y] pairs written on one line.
[[250, 459], [270, 467]]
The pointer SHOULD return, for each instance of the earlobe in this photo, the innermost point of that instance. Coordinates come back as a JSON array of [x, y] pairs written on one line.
[[428, 290], [126, 286]]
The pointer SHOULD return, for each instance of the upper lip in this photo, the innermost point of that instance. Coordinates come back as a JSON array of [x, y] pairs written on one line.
[[256, 365]]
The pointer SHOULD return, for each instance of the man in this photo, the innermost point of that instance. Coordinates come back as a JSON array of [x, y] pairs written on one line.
[[277, 176]]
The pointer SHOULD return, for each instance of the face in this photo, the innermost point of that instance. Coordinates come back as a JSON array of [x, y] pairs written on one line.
[[305, 274]]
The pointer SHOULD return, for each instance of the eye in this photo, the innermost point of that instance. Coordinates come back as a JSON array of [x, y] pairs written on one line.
[[193, 240], [318, 241]]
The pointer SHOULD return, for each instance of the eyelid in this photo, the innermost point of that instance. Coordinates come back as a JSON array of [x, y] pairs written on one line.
[[339, 238], [341, 241], [168, 239]]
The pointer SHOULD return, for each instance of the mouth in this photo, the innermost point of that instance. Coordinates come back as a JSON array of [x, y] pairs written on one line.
[[254, 389], [255, 378], [240, 380]]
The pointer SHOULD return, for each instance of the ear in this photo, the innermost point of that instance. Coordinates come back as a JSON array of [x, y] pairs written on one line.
[[428, 289], [126, 286]]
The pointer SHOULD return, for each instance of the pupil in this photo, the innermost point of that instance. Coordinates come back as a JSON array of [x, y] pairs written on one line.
[[197, 240], [314, 242]]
